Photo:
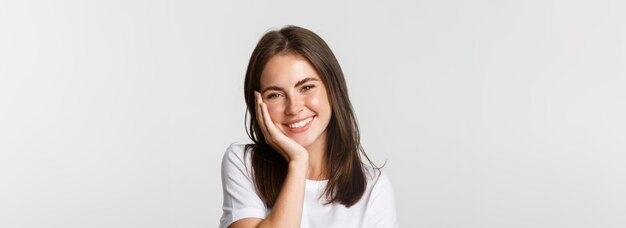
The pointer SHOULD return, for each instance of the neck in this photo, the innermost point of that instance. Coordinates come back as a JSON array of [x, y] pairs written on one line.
[[317, 159]]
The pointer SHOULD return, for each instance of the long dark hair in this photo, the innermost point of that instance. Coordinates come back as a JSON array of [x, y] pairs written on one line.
[[347, 179]]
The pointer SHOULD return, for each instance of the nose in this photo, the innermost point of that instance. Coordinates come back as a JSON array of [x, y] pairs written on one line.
[[295, 105]]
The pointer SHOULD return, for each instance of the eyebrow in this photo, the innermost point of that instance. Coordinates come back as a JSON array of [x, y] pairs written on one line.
[[305, 80]]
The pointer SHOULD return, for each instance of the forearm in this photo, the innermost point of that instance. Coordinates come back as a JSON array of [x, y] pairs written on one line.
[[287, 211]]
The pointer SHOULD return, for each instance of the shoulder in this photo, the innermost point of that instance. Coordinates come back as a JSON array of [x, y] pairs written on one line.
[[237, 158], [373, 174], [235, 151], [380, 200], [240, 196], [376, 178]]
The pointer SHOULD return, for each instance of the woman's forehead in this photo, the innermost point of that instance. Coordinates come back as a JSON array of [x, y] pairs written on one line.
[[287, 70]]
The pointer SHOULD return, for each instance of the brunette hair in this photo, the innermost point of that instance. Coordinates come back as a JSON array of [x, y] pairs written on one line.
[[347, 174]]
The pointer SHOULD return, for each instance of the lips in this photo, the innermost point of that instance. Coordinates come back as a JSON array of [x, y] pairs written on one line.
[[299, 125]]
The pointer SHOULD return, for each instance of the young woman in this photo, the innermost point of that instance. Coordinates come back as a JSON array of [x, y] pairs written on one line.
[[306, 167]]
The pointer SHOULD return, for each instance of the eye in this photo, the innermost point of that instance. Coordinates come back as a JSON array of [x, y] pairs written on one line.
[[273, 95], [307, 87]]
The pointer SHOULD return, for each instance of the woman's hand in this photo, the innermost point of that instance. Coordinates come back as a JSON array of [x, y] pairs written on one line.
[[287, 147]]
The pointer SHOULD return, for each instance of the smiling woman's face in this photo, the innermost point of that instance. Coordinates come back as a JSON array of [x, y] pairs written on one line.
[[296, 99]]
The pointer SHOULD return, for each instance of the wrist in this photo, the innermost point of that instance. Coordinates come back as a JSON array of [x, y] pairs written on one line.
[[300, 163]]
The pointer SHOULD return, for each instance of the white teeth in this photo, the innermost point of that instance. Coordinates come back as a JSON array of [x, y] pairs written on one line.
[[301, 123]]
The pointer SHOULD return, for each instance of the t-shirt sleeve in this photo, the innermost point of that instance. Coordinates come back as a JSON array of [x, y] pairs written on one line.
[[382, 205], [240, 197]]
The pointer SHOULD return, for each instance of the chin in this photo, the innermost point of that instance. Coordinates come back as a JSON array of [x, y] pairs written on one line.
[[304, 141]]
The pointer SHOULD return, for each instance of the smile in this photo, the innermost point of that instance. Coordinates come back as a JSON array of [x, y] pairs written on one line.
[[300, 124]]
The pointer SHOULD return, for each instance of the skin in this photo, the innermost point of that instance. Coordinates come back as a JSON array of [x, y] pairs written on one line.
[[291, 90]]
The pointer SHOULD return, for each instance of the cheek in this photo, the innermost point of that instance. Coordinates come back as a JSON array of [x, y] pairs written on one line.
[[275, 110], [313, 102], [318, 103]]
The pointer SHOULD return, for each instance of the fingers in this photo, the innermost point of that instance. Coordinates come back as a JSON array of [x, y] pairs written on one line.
[[274, 135], [270, 131], [259, 114], [269, 124], [270, 127]]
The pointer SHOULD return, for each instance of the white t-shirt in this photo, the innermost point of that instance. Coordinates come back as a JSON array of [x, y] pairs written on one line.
[[375, 209]]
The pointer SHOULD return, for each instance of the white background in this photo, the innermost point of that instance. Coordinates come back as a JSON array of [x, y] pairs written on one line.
[[488, 113]]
